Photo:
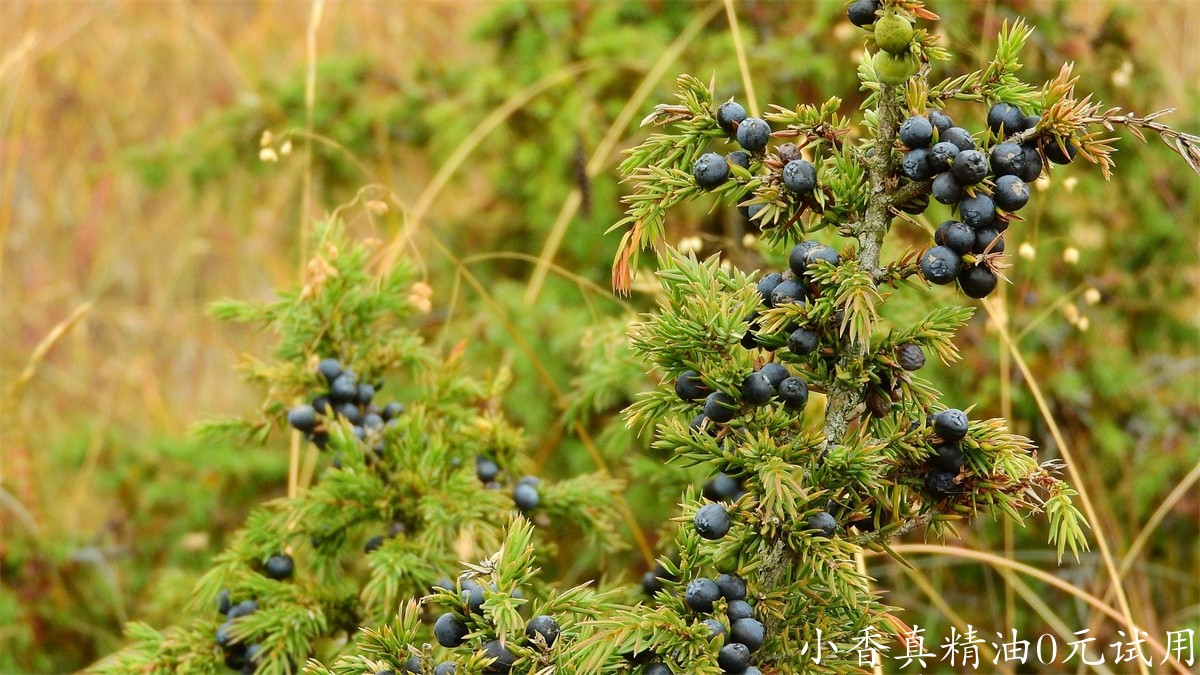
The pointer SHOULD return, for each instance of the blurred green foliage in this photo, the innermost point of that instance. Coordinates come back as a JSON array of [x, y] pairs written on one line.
[[1122, 385], [64, 599], [359, 112]]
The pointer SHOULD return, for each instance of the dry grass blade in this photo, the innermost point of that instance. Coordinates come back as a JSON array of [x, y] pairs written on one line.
[[1014, 583], [1002, 562], [1055, 306], [32, 46], [18, 510], [1155, 520], [310, 101], [604, 150], [1072, 468], [939, 601], [17, 55], [42, 349], [583, 283], [18, 459], [743, 63], [391, 252]]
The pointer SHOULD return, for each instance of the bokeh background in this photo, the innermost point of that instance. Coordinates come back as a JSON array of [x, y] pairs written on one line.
[[135, 188]]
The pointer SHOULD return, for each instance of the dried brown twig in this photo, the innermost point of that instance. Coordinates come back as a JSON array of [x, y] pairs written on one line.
[[1066, 116]]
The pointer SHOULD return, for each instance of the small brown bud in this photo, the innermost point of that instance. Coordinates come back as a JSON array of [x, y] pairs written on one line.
[[878, 404], [787, 152]]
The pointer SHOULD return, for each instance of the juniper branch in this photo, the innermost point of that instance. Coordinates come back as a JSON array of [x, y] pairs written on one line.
[[902, 195], [1185, 144], [845, 398], [881, 170], [910, 525]]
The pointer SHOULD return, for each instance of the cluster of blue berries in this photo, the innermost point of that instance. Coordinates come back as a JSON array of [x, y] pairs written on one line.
[[347, 399], [396, 529], [525, 494], [452, 628], [740, 634], [795, 285], [772, 381], [985, 189], [753, 134], [947, 459], [239, 656]]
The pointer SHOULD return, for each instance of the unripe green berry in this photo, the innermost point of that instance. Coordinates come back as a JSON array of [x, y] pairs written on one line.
[[893, 70], [893, 33]]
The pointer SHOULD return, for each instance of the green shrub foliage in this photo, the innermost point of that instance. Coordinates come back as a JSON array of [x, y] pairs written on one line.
[[421, 545]]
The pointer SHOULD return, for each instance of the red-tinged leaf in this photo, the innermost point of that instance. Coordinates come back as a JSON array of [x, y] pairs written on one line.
[[621, 275], [456, 351]]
